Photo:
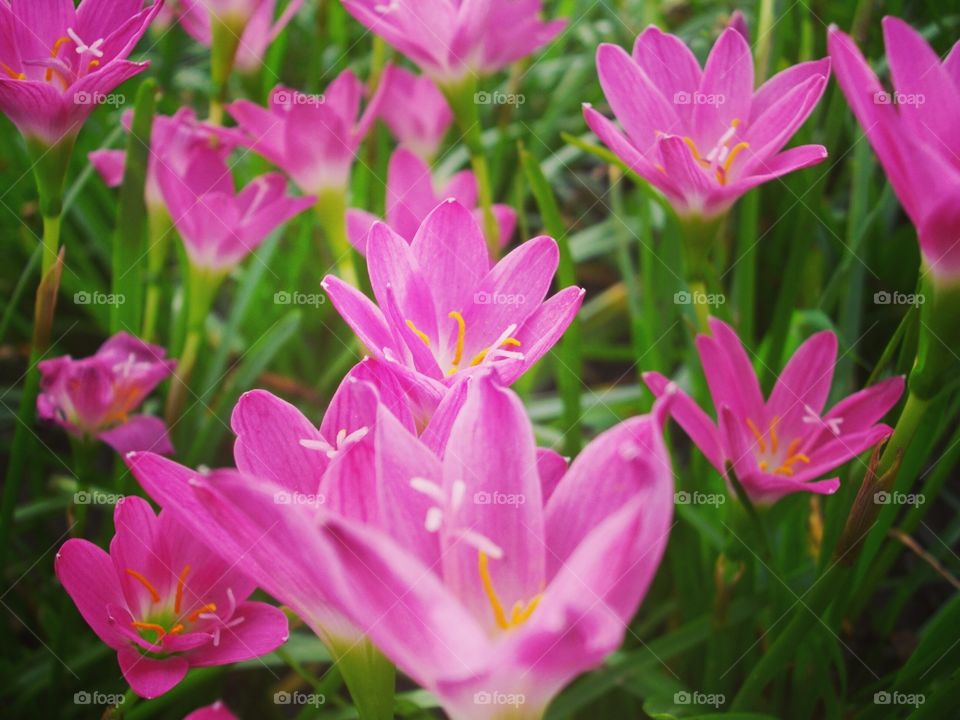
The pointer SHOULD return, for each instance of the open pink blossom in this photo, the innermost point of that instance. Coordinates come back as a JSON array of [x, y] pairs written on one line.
[[451, 39], [163, 601], [511, 585], [57, 63], [172, 141], [780, 445], [95, 397], [704, 137], [411, 196], [313, 138], [914, 131], [442, 311], [415, 111], [219, 225]]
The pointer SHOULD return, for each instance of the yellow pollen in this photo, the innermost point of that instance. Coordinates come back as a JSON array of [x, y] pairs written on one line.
[[461, 336], [209, 607], [153, 627], [757, 434], [731, 156], [773, 433], [13, 75], [93, 64], [59, 44], [519, 614], [763, 465], [696, 153], [419, 333], [180, 582], [176, 629], [155, 596], [480, 356], [792, 447]]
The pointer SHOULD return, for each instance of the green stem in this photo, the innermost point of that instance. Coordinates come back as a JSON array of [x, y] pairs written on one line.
[[904, 431], [701, 308], [331, 209], [159, 231], [370, 677], [225, 39], [51, 241]]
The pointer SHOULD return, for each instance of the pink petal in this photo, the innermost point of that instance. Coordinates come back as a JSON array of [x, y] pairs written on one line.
[[364, 318], [804, 383], [88, 575], [140, 432], [728, 74], [263, 630], [149, 677], [690, 417]]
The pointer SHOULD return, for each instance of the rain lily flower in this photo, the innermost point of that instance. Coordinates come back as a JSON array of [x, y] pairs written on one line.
[[163, 601], [216, 711], [172, 141], [220, 226], [415, 111], [313, 138], [450, 39], [442, 311], [411, 197], [704, 137], [95, 396], [780, 445], [58, 63], [505, 592], [914, 133]]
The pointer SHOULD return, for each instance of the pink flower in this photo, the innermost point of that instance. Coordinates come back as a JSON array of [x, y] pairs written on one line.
[[163, 601], [415, 111], [411, 197], [57, 63], [172, 142], [441, 311], [216, 711], [516, 574], [94, 397], [220, 226], [259, 31], [704, 137], [450, 39], [313, 138], [781, 445], [913, 131]]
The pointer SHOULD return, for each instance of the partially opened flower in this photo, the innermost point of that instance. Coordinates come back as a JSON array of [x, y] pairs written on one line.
[[163, 601], [172, 141], [704, 137], [415, 111], [313, 138], [780, 445], [412, 195], [505, 593], [95, 397], [442, 311], [219, 225], [450, 39], [58, 63]]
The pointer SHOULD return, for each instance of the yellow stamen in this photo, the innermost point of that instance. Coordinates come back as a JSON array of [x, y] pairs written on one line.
[[153, 627], [763, 465], [176, 629], [773, 433], [53, 53], [93, 64], [419, 333], [792, 447], [180, 582], [696, 153], [518, 614], [731, 156], [784, 470], [480, 356], [146, 583], [13, 74], [757, 434], [461, 336], [209, 607]]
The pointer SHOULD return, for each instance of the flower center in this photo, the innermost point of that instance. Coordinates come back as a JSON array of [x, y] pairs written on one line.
[[161, 623], [495, 351], [770, 454], [721, 156], [520, 612]]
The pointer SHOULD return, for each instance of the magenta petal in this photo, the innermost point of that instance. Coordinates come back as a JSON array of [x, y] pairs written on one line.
[[109, 164], [141, 432], [730, 373], [87, 574], [360, 314], [149, 677], [690, 417], [670, 64], [868, 406], [805, 382], [727, 76], [263, 629], [359, 223], [551, 466]]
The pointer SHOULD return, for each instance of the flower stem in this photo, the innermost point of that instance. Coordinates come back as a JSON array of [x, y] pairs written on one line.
[[159, 230], [369, 676], [51, 241], [225, 39], [701, 308], [331, 209], [906, 428]]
